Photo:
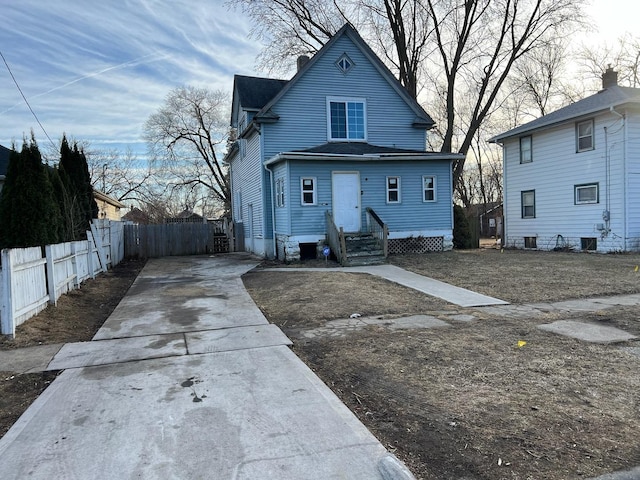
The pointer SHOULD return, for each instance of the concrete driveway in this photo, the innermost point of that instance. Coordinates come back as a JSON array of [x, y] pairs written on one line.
[[187, 380]]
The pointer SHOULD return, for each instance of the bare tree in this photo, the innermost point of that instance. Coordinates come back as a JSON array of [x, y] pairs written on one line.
[[121, 176], [398, 30], [479, 42], [475, 43], [187, 136], [624, 57]]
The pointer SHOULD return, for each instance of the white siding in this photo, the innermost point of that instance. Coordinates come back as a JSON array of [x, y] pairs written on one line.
[[555, 170], [632, 149]]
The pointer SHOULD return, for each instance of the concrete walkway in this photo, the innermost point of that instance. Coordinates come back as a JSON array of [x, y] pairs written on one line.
[[186, 379], [456, 295]]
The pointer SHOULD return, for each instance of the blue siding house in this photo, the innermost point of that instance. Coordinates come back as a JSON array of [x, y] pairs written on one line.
[[336, 156]]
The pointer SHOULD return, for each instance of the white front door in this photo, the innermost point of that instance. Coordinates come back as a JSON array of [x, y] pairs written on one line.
[[346, 200]]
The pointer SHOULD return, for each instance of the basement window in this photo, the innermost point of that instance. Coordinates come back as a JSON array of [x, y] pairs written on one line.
[[589, 243], [530, 242]]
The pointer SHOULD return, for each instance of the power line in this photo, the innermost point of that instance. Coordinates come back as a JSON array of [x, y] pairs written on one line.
[[25, 99]]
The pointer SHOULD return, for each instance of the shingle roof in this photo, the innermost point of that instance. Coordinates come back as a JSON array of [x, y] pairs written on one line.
[[356, 148], [603, 100], [255, 92], [4, 159]]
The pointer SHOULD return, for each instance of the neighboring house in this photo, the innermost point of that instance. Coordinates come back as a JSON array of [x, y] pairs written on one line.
[[137, 216], [339, 140], [572, 177], [4, 164], [108, 208], [186, 216]]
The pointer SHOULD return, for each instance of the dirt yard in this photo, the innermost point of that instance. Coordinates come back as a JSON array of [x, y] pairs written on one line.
[[76, 318], [466, 401], [458, 402]]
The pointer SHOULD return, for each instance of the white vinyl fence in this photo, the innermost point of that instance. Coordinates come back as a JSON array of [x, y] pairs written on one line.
[[29, 281]]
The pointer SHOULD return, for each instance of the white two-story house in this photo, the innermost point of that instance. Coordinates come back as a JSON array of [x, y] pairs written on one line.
[[572, 177]]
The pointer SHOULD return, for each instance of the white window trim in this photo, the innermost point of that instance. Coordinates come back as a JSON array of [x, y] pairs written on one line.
[[345, 100], [397, 189], [435, 189], [593, 132], [576, 188], [314, 191], [522, 160]]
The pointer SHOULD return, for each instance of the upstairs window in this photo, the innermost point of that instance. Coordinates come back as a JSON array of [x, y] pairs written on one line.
[[525, 150], [308, 193], [428, 188], [346, 119], [584, 136], [393, 189]]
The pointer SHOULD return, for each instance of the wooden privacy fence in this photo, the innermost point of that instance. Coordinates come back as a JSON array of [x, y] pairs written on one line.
[[29, 280], [149, 241]]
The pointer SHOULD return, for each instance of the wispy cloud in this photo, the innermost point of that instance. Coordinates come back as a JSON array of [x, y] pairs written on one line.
[[98, 70]]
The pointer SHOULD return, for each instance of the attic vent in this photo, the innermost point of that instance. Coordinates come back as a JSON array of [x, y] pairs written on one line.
[[344, 63]]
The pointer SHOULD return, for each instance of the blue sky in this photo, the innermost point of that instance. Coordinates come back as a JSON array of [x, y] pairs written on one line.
[[97, 70]]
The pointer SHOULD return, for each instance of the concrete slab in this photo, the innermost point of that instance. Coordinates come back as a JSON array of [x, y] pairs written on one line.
[[229, 339], [29, 359], [105, 352], [633, 474], [247, 414], [183, 294], [589, 332], [415, 322]]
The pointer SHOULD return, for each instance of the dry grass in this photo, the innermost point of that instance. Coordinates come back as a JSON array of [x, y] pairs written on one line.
[[519, 276], [454, 402]]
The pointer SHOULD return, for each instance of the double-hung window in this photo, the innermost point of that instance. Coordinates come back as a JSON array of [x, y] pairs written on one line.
[[584, 136], [308, 190], [428, 188], [528, 201], [586, 193], [525, 150], [347, 119], [393, 189], [280, 192]]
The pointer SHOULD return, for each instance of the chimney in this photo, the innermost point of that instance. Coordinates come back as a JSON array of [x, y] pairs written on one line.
[[609, 78], [302, 61]]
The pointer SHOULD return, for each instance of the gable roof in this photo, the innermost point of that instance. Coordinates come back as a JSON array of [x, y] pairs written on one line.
[[422, 118], [614, 96], [4, 160]]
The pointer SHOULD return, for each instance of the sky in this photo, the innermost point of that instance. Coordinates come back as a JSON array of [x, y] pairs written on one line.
[[96, 70]]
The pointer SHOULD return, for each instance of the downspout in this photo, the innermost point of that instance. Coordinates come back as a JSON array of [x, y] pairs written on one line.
[[273, 212], [624, 172]]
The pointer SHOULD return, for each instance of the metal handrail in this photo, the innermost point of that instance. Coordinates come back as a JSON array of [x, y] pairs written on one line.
[[378, 229]]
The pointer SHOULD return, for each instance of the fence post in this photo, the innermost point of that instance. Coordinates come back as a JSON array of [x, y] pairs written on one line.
[[8, 326], [51, 275]]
